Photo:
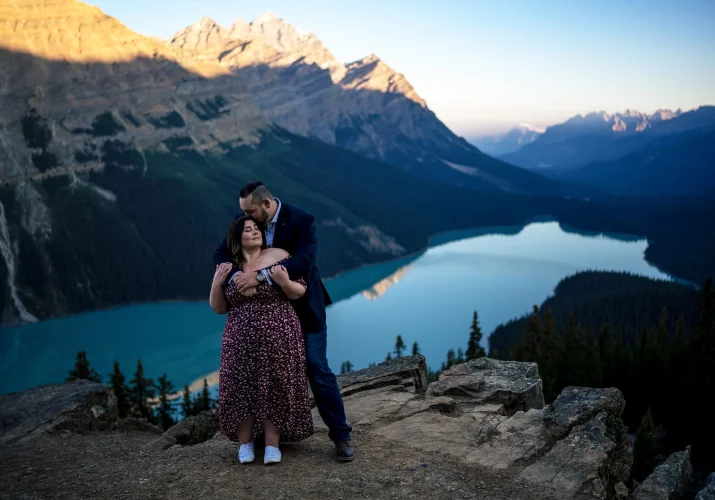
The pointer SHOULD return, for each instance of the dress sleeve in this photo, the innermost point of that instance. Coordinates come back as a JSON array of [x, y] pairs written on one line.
[[302, 281]]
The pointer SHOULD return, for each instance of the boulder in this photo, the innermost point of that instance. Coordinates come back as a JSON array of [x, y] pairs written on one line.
[[466, 414], [515, 440], [621, 491], [409, 371], [73, 406], [189, 431], [669, 480], [578, 465], [707, 493], [512, 385], [576, 405]]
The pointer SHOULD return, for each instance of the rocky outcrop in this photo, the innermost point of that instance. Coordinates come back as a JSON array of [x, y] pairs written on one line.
[[511, 385], [576, 405], [189, 431], [408, 371], [707, 493], [79, 86], [491, 413], [487, 415], [669, 480], [75, 407]]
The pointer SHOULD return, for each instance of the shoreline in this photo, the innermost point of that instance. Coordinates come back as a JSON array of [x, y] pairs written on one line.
[[443, 238]]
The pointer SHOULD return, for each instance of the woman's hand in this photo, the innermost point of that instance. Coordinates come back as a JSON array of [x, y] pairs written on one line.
[[221, 274], [279, 274]]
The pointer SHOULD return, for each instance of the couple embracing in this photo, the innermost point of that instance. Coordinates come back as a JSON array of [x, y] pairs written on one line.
[[268, 282]]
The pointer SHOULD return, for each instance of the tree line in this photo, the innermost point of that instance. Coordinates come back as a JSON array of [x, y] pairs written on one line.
[[137, 398], [665, 373]]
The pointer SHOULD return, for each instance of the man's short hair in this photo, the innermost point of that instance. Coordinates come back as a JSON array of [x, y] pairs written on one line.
[[257, 191]]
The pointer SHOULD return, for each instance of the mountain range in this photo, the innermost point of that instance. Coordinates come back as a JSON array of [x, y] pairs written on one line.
[[121, 157], [664, 154], [364, 106], [602, 136]]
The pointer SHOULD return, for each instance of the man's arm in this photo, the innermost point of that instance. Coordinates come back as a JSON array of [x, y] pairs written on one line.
[[306, 251]]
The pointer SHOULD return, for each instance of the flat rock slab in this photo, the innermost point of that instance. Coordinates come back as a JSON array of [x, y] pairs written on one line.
[[75, 406], [576, 405], [668, 480], [516, 439], [370, 407], [433, 431], [513, 385], [573, 467]]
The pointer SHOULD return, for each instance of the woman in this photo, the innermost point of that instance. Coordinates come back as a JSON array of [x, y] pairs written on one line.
[[262, 381]]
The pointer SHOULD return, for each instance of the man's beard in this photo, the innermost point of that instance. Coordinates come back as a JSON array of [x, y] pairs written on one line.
[[264, 218]]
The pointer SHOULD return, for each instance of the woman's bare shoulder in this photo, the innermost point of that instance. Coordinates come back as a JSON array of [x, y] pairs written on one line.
[[274, 254]]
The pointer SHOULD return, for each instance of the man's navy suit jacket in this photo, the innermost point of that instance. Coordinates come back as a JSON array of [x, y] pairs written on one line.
[[295, 233]]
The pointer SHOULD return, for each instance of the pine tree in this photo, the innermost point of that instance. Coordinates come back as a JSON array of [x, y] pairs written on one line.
[[474, 347], [415, 349], [528, 348], [165, 411], [460, 357], [388, 357], [549, 356], [187, 405], [203, 401], [592, 374], [346, 367], [121, 391], [141, 389], [82, 371], [605, 350], [644, 449], [399, 346], [569, 363], [451, 358]]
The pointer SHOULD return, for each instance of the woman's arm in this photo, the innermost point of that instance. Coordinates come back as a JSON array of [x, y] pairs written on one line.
[[217, 298], [292, 289]]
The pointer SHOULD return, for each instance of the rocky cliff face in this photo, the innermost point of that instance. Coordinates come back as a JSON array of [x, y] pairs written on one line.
[[482, 426], [364, 106], [81, 93], [77, 83]]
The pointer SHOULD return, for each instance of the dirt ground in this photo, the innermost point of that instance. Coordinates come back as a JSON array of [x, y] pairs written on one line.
[[120, 465]]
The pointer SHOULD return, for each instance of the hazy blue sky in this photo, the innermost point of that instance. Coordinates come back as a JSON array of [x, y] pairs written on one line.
[[486, 65]]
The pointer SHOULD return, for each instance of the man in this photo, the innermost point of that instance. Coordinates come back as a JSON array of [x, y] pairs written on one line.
[[293, 230]]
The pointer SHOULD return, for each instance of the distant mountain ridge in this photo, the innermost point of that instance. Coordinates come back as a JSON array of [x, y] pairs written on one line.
[[364, 106], [602, 136], [515, 139]]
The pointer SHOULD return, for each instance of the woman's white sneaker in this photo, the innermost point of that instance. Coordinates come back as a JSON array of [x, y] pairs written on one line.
[[272, 456], [246, 455]]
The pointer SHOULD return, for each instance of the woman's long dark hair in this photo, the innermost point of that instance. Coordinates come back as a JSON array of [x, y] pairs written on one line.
[[233, 238]]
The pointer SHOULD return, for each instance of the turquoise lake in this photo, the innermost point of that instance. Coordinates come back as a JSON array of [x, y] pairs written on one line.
[[428, 298]]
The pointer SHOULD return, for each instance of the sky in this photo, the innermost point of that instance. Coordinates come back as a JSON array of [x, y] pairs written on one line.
[[485, 66]]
